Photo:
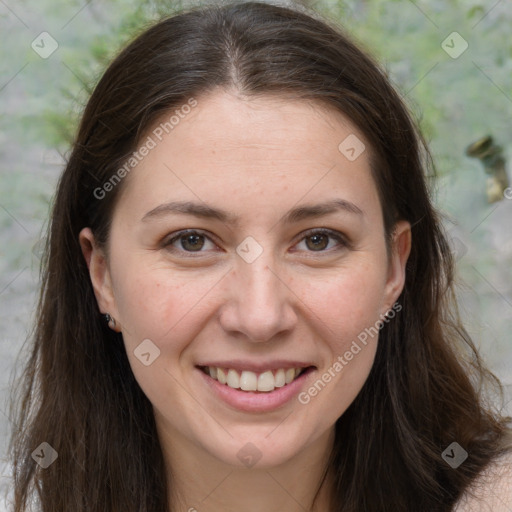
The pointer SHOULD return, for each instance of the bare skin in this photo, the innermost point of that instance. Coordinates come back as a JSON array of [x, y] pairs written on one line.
[[304, 298]]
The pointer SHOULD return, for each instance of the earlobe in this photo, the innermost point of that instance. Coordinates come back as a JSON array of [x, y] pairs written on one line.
[[99, 273], [400, 250]]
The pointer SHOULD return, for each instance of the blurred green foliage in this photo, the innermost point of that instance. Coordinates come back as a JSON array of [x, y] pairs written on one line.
[[89, 62]]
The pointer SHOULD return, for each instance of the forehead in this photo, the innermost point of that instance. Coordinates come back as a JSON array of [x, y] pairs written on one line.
[[257, 125], [261, 151]]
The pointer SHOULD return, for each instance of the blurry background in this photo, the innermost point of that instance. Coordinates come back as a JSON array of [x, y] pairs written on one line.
[[459, 87]]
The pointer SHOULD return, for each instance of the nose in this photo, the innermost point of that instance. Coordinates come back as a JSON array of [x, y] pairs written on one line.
[[260, 301]]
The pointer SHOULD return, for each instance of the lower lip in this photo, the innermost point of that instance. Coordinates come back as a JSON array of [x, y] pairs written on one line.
[[249, 401]]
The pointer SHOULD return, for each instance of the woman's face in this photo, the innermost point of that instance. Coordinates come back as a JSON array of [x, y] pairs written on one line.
[[287, 268]]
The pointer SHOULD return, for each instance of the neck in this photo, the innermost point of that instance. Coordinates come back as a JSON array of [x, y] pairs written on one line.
[[199, 482]]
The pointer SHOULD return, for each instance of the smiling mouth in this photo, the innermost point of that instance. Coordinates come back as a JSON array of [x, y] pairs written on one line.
[[264, 382]]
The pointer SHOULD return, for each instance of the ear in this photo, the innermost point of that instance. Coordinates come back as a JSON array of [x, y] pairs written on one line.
[[400, 250], [99, 273]]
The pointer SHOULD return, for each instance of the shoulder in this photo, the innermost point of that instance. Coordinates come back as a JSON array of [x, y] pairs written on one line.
[[491, 491]]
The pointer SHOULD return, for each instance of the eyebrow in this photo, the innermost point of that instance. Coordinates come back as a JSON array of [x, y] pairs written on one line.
[[294, 215]]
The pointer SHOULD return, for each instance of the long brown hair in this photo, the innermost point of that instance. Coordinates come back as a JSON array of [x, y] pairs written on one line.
[[78, 393]]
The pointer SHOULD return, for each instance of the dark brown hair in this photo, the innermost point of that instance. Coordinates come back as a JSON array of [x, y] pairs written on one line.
[[425, 389]]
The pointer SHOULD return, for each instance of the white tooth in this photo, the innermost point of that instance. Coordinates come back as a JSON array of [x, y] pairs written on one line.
[[221, 376], [290, 375], [233, 379], [280, 379], [266, 381], [248, 381]]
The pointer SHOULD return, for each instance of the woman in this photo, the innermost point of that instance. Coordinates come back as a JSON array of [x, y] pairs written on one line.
[[247, 300]]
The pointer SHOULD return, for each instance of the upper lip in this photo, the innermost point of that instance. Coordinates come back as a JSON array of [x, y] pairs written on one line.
[[254, 366]]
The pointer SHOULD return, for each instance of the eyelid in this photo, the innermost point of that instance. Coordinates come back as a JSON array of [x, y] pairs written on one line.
[[336, 235]]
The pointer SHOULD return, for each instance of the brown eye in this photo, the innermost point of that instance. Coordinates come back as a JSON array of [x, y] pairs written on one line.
[[319, 241], [189, 241], [192, 242]]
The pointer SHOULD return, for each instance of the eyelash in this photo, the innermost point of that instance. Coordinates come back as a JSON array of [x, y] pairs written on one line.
[[343, 243]]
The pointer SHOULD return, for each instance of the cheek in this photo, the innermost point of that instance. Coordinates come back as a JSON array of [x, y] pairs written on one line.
[[347, 307], [159, 303], [346, 301], [159, 306]]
